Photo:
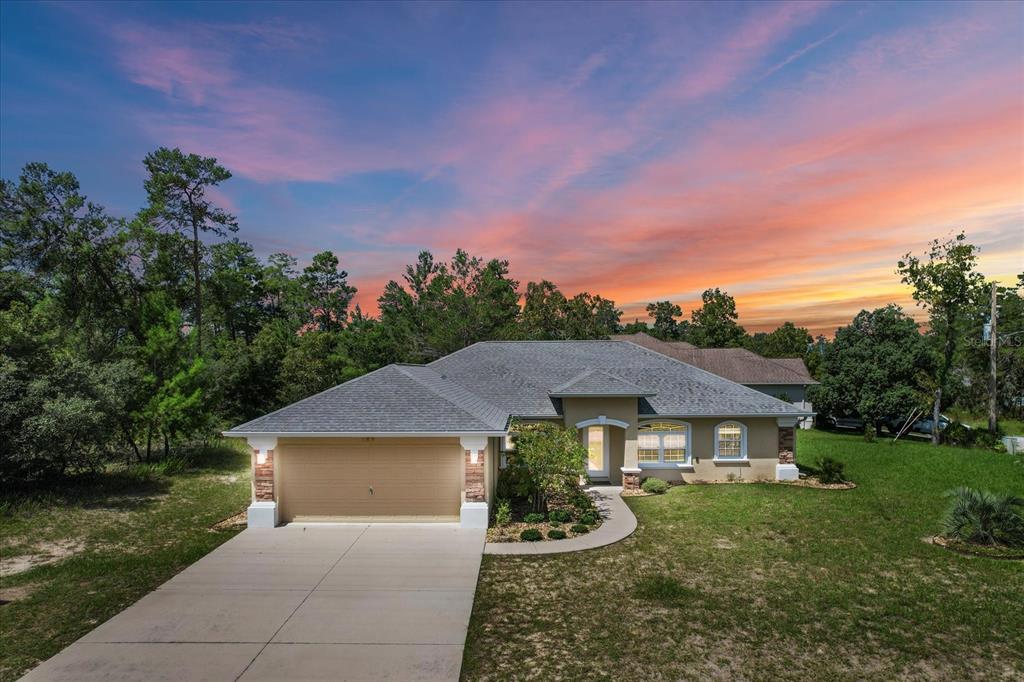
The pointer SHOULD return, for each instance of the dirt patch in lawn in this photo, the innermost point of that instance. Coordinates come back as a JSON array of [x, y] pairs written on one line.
[[16, 593], [42, 553]]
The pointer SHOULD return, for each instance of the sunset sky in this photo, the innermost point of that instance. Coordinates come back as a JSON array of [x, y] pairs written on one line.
[[788, 153]]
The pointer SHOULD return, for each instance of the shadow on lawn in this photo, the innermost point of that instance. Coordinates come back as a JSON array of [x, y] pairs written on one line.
[[120, 487]]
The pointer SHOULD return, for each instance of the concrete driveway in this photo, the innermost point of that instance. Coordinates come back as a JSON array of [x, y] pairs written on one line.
[[342, 602]]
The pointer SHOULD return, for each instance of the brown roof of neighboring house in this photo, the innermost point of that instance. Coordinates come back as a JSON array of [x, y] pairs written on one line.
[[736, 364]]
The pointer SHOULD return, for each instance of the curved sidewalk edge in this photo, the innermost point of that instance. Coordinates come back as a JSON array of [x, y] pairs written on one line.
[[619, 523]]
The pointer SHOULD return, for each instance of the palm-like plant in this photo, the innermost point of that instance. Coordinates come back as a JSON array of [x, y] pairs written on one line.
[[985, 518]]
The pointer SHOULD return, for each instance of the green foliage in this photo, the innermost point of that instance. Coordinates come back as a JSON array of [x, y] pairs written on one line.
[[831, 471], [869, 433], [945, 284], [443, 307], [553, 456], [958, 434], [560, 515], [589, 518], [581, 501], [329, 293], [985, 518], [713, 324], [787, 341], [556, 534], [548, 315], [666, 327], [654, 485], [531, 535], [663, 589], [503, 513], [874, 367], [579, 529], [534, 517], [515, 482]]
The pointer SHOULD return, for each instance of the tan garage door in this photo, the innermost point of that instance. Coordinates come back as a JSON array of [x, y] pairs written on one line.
[[374, 480]]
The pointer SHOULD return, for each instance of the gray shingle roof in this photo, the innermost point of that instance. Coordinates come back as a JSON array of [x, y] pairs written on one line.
[[393, 399], [595, 382], [518, 376], [736, 364], [478, 389]]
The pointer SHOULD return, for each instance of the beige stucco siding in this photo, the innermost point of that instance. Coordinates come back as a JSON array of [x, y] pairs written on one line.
[[369, 477], [622, 442], [762, 453]]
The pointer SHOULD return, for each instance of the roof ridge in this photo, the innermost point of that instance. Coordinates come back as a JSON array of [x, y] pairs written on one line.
[[453, 400]]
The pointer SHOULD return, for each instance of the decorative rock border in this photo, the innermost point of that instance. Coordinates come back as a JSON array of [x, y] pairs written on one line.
[[618, 523]]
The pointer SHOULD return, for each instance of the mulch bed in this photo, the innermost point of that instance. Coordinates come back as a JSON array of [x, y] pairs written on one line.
[[971, 549], [510, 533], [808, 482], [232, 522]]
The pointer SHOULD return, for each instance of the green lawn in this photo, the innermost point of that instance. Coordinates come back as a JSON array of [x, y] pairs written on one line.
[[122, 534], [763, 581]]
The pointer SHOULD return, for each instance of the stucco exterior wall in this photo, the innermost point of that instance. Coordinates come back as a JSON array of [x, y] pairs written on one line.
[[622, 442], [762, 454]]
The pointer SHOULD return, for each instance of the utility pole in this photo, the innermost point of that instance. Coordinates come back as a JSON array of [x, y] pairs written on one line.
[[992, 351]]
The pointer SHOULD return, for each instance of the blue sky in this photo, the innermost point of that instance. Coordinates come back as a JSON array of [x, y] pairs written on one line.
[[787, 152]]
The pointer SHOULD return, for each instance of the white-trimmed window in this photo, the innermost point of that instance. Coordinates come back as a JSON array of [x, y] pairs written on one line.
[[730, 441], [663, 442]]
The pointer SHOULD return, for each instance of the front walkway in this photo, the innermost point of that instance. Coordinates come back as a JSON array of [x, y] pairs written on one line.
[[342, 602], [618, 523]]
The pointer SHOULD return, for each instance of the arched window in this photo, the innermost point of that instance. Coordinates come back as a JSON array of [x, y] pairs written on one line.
[[663, 442], [730, 441]]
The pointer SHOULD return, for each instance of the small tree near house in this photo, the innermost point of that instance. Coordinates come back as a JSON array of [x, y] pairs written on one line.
[[553, 456]]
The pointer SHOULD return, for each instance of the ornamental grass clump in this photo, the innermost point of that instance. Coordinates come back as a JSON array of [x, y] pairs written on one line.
[[985, 518], [831, 471]]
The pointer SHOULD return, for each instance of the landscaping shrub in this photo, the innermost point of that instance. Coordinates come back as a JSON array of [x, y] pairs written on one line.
[[534, 517], [555, 524], [957, 434], [515, 483], [654, 485], [869, 433], [580, 528], [530, 535], [988, 440], [560, 515], [556, 534], [662, 589], [985, 518], [554, 458], [503, 513], [582, 501], [589, 518], [831, 470]]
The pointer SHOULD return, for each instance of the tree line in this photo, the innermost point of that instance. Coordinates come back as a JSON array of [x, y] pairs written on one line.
[[121, 337]]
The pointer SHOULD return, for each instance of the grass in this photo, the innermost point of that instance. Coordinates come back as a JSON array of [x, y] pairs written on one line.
[[763, 581], [111, 539], [1009, 425]]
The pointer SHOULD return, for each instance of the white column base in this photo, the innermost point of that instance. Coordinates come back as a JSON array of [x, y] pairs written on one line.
[[262, 514], [786, 472], [473, 515]]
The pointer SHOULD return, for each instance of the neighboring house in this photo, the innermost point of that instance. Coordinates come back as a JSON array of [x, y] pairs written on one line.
[[783, 378], [424, 442]]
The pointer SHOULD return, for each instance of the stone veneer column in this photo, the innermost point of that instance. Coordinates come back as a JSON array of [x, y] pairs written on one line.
[[475, 490], [262, 513], [786, 469], [474, 512], [787, 445], [263, 476]]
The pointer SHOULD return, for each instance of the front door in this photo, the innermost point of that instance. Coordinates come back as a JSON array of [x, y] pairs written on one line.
[[597, 451]]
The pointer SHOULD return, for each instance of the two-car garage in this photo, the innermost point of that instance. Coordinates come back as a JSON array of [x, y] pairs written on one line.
[[401, 479]]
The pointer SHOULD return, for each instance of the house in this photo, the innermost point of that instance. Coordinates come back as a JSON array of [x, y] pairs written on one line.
[[424, 442], [784, 378]]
